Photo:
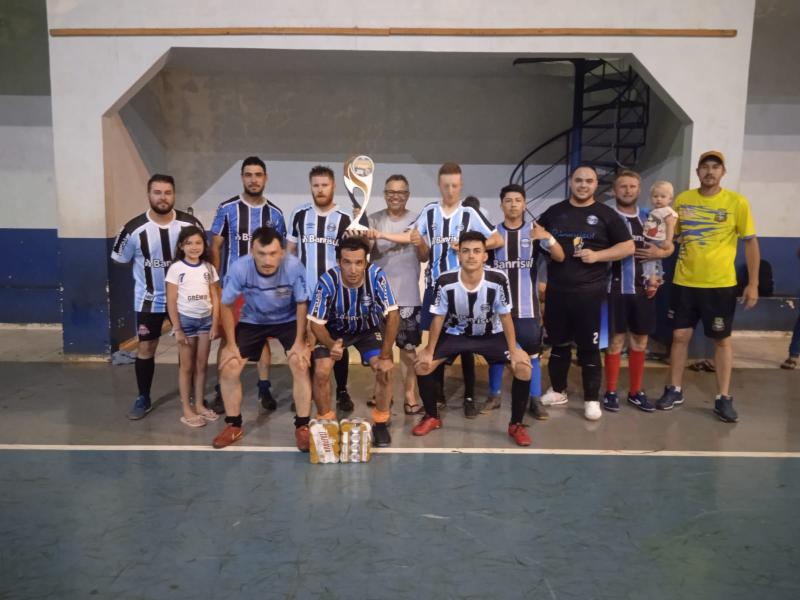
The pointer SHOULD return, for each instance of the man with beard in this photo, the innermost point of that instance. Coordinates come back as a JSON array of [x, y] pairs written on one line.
[[314, 232], [631, 313], [235, 221], [276, 304], [711, 220], [353, 305], [591, 235], [149, 240]]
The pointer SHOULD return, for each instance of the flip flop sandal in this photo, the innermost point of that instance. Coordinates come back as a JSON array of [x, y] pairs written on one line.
[[208, 415], [413, 409], [195, 421]]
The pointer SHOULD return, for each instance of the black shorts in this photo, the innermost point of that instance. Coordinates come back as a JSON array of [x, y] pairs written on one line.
[[426, 316], [409, 336], [574, 317], [492, 347], [368, 344], [529, 335], [251, 338], [148, 325], [631, 312], [714, 306]]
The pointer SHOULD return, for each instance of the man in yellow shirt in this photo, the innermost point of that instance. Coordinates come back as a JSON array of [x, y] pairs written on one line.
[[711, 221]]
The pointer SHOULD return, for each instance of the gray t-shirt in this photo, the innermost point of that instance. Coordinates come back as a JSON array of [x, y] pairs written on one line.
[[399, 261]]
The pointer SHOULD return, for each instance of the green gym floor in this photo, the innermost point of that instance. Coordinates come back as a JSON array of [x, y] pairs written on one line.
[[664, 505]]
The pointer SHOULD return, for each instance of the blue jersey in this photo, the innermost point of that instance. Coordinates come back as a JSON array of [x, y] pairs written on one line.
[[268, 299], [472, 312], [316, 236], [440, 231], [626, 274], [352, 310], [236, 220], [151, 247], [517, 259]]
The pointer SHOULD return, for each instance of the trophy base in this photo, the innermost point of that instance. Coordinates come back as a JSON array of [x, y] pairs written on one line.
[[356, 227]]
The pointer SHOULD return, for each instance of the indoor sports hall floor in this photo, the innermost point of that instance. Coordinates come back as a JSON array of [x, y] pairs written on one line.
[[665, 505]]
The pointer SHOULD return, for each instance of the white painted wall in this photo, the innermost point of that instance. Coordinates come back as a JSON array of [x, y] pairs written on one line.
[[770, 176], [110, 66], [27, 176]]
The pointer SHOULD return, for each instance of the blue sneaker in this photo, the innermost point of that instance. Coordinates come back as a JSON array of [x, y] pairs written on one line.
[[642, 402], [670, 399], [723, 407], [611, 401], [140, 408]]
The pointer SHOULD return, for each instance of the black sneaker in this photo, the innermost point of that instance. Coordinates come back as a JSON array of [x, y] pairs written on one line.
[[217, 405], [381, 436], [470, 408], [537, 409], [267, 401], [669, 399], [343, 401], [723, 407]]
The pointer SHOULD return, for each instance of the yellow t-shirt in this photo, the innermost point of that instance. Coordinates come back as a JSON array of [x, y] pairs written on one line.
[[710, 227]]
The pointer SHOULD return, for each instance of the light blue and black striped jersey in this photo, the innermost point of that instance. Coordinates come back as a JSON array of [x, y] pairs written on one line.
[[352, 311], [316, 235], [439, 231], [151, 247], [626, 274], [236, 219], [517, 259], [472, 313]]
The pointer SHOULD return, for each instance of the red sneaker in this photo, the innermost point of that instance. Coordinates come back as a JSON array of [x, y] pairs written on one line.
[[301, 438], [228, 436], [426, 425], [521, 437]]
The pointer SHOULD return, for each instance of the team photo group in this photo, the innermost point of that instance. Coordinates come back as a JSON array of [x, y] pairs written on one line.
[[328, 281]]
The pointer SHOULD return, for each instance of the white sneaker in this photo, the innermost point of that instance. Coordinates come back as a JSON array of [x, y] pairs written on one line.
[[553, 398], [591, 410]]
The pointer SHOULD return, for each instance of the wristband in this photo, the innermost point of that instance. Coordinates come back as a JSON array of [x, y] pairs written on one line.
[[548, 243]]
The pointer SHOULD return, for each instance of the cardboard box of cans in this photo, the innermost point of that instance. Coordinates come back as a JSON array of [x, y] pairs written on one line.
[[346, 441]]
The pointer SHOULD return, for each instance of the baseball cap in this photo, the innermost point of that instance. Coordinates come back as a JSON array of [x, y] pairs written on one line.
[[712, 154]]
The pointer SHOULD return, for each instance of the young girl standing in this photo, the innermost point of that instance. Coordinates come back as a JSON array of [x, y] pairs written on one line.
[[193, 305]]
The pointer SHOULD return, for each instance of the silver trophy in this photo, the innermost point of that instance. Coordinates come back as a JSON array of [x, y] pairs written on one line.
[[358, 172]]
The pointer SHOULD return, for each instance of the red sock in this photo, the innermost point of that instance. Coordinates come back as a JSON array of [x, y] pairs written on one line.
[[612, 371], [635, 370]]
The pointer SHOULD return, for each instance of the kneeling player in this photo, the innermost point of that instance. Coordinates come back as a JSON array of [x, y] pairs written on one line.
[[473, 306], [354, 306], [275, 305]]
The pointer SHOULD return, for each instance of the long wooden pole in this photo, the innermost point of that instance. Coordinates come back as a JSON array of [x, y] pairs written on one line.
[[393, 31]]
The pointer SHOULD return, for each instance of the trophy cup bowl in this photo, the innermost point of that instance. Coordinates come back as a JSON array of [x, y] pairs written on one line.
[[358, 172]]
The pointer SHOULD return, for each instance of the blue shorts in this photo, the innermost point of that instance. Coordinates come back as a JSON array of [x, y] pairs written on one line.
[[194, 326]]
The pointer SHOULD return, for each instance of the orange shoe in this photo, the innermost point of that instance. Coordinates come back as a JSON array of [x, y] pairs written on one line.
[[521, 437], [426, 425], [228, 436], [302, 438]]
